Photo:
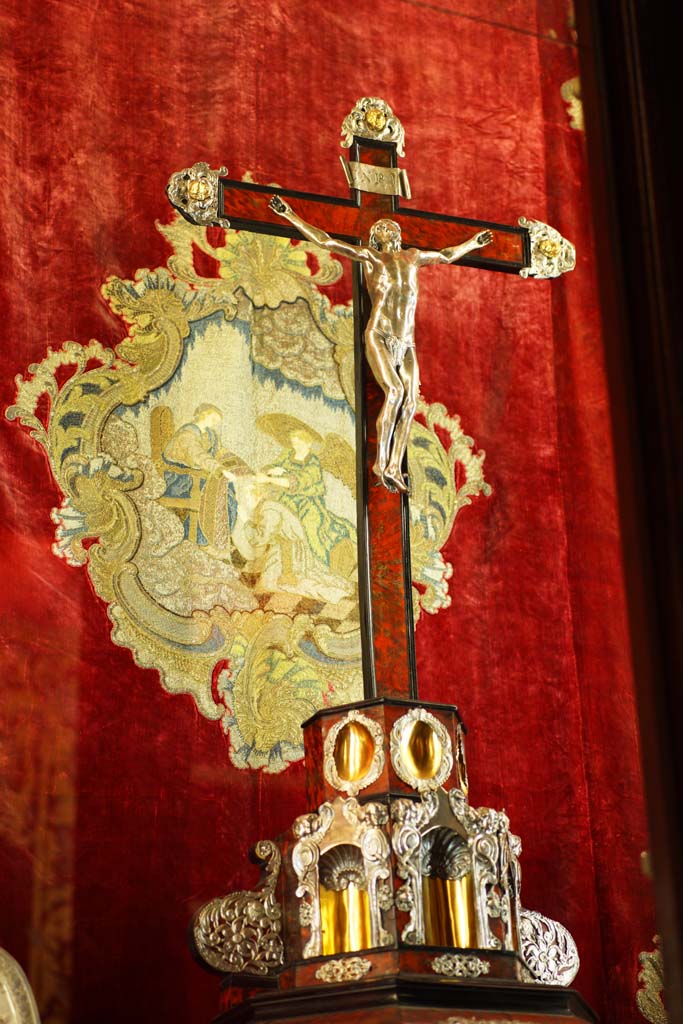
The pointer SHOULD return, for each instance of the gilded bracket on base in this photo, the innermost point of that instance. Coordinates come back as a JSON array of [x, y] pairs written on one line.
[[241, 933], [548, 949]]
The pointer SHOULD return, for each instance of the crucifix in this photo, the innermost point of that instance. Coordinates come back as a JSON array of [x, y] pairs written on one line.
[[390, 861], [388, 243]]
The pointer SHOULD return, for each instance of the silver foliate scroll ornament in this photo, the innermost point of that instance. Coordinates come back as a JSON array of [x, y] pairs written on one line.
[[458, 965], [369, 820], [194, 192], [339, 971], [310, 829], [409, 821], [372, 118], [495, 868], [548, 949], [241, 933], [551, 254]]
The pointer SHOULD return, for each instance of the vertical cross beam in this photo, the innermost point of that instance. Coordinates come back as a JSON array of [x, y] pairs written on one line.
[[384, 577]]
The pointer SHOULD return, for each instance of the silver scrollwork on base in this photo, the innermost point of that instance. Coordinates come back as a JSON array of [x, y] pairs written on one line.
[[495, 869], [369, 820], [372, 118], [551, 254], [344, 843], [241, 933], [194, 192], [310, 829], [409, 820], [352, 969], [548, 949], [460, 965]]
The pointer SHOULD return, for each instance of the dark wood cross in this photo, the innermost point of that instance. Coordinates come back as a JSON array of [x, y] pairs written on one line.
[[384, 575]]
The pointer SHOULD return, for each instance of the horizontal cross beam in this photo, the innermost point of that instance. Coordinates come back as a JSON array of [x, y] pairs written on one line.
[[245, 205]]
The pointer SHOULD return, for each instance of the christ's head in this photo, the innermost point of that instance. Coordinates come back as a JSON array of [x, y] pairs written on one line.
[[385, 236]]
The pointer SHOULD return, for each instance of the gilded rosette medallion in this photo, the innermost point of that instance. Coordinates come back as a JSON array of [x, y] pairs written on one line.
[[207, 467]]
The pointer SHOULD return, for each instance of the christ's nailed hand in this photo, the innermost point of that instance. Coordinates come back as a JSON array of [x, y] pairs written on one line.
[[279, 206], [484, 238]]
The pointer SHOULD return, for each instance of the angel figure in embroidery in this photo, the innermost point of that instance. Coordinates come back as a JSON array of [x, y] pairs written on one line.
[[295, 543]]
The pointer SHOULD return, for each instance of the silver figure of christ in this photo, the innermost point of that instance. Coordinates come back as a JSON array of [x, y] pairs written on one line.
[[390, 274]]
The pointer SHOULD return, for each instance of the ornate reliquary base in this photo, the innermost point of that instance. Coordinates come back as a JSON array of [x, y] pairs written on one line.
[[393, 893]]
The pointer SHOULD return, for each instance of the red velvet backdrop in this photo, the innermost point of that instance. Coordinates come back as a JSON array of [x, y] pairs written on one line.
[[121, 814]]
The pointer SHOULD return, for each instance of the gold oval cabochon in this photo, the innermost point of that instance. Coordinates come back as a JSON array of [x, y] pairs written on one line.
[[353, 751], [421, 750]]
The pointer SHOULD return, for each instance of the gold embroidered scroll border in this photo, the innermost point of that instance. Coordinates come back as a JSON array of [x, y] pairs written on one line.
[[258, 668]]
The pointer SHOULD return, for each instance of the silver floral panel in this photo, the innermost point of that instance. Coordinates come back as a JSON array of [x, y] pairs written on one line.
[[194, 193], [460, 965], [241, 933], [372, 118], [352, 969], [551, 254], [548, 949]]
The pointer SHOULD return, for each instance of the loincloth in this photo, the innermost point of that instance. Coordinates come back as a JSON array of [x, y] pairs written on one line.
[[397, 347]]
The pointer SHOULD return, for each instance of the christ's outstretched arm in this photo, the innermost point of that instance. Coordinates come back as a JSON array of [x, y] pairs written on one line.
[[317, 235], [456, 252]]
